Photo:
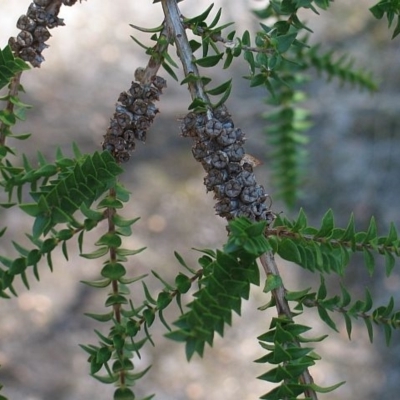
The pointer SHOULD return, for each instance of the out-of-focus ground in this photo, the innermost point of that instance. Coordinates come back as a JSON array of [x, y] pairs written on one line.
[[354, 152]]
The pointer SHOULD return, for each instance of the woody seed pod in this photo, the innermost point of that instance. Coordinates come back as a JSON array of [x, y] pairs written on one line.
[[213, 128], [219, 159], [41, 33], [160, 83], [42, 3], [25, 23], [24, 38], [15, 46], [136, 90], [219, 147], [233, 188], [215, 177]]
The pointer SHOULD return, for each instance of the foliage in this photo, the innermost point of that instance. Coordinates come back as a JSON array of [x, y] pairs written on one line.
[[71, 196]]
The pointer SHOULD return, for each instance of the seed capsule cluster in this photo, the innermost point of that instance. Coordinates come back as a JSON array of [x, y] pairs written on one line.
[[134, 113], [41, 16], [218, 146]]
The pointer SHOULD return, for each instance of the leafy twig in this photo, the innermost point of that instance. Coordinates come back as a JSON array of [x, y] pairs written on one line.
[[268, 262]]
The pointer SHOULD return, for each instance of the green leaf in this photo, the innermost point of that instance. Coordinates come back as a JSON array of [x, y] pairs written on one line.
[[220, 89], [372, 233], [101, 317], [200, 18], [98, 284], [323, 314], [288, 250], [209, 61], [182, 283], [322, 292], [285, 41], [124, 394], [113, 271], [327, 389], [110, 239], [369, 261], [18, 266], [272, 282], [96, 254], [169, 70], [327, 225]]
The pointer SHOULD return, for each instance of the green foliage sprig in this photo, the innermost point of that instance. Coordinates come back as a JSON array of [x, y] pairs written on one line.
[[327, 249], [392, 9]]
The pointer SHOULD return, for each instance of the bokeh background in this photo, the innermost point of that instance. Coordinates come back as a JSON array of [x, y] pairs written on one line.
[[354, 166]]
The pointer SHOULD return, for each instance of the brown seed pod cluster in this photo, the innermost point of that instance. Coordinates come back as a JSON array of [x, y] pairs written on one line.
[[218, 146], [41, 16], [134, 113]]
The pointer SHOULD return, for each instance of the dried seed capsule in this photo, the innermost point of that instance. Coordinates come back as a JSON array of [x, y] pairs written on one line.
[[52, 21], [15, 46], [125, 99], [215, 177], [151, 93], [226, 205], [141, 122], [227, 137], [160, 83], [213, 128], [245, 211], [140, 135], [108, 146], [31, 13], [251, 194], [40, 16], [219, 159], [118, 142], [24, 38], [129, 135], [41, 33], [151, 111], [136, 90], [42, 3], [207, 164], [247, 178], [188, 126], [25, 23], [123, 156], [115, 129], [235, 152], [123, 119], [200, 151], [259, 209], [41, 46], [219, 192], [221, 113], [234, 169], [28, 54], [233, 188], [139, 107]]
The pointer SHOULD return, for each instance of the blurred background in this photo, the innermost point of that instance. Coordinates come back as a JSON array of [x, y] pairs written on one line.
[[354, 166]]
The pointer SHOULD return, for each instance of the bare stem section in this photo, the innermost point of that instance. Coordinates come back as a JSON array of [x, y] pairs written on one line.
[[173, 19]]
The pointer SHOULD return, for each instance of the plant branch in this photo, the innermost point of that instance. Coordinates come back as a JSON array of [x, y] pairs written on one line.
[[268, 262], [176, 29], [281, 231], [147, 75], [12, 92]]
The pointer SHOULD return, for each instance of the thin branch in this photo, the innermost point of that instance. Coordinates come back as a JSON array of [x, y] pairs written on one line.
[[174, 22], [12, 92], [268, 262]]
